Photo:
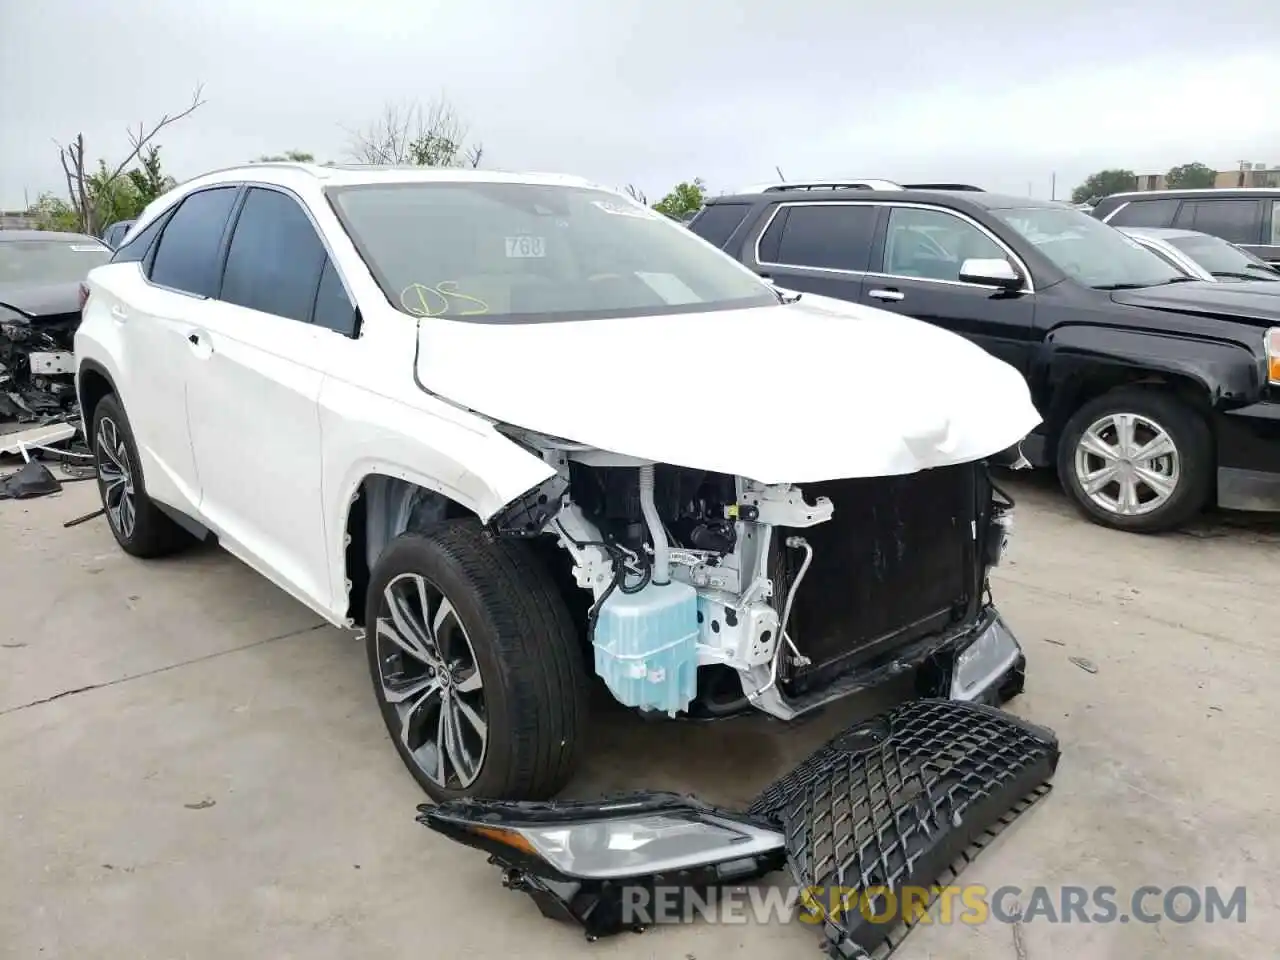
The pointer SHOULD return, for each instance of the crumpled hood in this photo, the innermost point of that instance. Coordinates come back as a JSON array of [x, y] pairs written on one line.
[[815, 390]]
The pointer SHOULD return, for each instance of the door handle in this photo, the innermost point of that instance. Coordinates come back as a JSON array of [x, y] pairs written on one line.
[[194, 339], [882, 294], [118, 314]]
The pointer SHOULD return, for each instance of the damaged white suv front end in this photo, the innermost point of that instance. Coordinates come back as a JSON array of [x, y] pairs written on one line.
[[522, 429]]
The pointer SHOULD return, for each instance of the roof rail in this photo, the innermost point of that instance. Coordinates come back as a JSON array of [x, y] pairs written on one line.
[[822, 185], [942, 186]]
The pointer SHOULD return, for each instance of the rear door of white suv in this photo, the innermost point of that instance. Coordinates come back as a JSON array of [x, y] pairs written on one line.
[[260, 361], [157, 292]]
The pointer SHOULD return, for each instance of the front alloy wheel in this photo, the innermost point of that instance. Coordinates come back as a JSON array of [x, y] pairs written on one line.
[[1127, 464], [1138, 458], [430, 676]]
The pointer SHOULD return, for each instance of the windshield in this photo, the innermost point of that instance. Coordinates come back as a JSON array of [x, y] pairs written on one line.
[[49, 261], [519, 252], [1222, 258], [1088, 250]]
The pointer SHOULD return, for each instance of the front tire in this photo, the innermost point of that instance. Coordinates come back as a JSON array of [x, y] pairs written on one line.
[[475, 664], [1137, 459], [140, 527]]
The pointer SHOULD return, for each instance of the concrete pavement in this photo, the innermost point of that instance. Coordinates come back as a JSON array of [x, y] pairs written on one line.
[[191, 766]]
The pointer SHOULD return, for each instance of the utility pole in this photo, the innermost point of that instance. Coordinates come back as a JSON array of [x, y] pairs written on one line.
[[1053, 186]]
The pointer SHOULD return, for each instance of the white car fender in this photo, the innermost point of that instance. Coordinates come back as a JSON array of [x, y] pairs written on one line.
[[421, 440]]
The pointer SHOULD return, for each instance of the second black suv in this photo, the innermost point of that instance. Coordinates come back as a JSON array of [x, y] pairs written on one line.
[[1160, 394], [1247, 217]]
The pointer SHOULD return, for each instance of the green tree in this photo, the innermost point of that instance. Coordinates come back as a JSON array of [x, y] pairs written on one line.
[[1103, 184], [684, 199], [148, 179], [54, 213], [289, 156], [1191, 176]]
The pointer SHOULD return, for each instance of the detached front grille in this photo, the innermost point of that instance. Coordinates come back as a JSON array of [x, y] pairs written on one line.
[[896, 561], [900, 803]]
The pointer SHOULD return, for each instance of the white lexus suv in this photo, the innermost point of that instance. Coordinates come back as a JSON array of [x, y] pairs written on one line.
[[522, 430]]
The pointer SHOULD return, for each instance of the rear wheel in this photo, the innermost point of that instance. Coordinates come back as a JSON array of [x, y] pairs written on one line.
[[1137, 459], [475, 664], [140, 527]]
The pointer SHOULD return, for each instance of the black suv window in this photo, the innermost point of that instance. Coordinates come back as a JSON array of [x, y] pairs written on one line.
[[1146, 213], [187, 257], [1236, 220], [933, 245], [832, 236], [716, 223], [275, 257]]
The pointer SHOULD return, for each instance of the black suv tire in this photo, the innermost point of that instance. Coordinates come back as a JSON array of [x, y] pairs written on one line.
[[1191, 465], [507, 622], [140, 527]]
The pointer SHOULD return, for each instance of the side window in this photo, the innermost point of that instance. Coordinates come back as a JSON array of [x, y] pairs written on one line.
[[333, 307], [716, 222], [135, 251], [187, 256], [1146, 213], [1275, 223], [275, 257], [933, 245], [1237, 220], [831, 236]]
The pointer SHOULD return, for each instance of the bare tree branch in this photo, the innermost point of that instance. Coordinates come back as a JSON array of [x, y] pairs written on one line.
[[145, 136], [636, 194], [411, 133]]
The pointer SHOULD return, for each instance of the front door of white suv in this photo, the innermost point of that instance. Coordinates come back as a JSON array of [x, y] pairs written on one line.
[[252, 401]]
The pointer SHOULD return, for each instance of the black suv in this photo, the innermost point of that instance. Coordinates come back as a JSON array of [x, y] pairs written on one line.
[[1160, 394], [1249, 218]]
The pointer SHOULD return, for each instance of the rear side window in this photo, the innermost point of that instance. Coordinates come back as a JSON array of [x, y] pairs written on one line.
[[829, 236], [1239, 221], [716, 223], [187, 257], [1275, 223], [1146, 213], [275, 257]]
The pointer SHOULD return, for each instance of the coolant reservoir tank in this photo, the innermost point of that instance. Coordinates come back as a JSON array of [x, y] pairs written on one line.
[[646, 646]]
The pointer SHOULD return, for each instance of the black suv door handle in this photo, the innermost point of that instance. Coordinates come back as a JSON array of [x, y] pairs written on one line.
[[882, 294]]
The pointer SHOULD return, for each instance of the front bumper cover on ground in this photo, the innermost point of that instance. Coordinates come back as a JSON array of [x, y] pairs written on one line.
[[893, 804]]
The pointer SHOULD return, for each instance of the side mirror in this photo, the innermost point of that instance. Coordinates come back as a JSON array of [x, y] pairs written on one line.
[[996, 272]]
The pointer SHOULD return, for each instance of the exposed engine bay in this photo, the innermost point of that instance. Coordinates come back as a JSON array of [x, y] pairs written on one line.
[[713, 594], [37, 366]]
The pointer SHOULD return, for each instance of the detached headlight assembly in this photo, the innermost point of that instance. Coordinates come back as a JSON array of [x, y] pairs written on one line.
[[1273, 356], [653, 834]]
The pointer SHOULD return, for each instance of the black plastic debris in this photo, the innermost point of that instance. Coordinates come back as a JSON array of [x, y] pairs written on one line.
[[33, 480], [893, 807]]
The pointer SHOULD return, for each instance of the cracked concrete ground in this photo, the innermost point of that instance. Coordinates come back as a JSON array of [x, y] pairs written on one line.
[[192, 766]]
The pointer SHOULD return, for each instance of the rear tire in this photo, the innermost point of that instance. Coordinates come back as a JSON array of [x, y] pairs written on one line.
[[140, 527], [490, 685], [1137, 459]]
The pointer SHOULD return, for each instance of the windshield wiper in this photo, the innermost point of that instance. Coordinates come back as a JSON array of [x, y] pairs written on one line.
[[1232, 275], [1123, 286]]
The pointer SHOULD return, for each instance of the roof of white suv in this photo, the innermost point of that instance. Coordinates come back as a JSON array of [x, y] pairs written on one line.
[[342, 175]]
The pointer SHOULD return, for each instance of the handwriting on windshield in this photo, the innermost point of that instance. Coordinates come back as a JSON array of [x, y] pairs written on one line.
[[423, 300]]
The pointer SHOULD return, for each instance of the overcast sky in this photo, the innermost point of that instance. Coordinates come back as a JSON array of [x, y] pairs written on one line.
[[654, 91]]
